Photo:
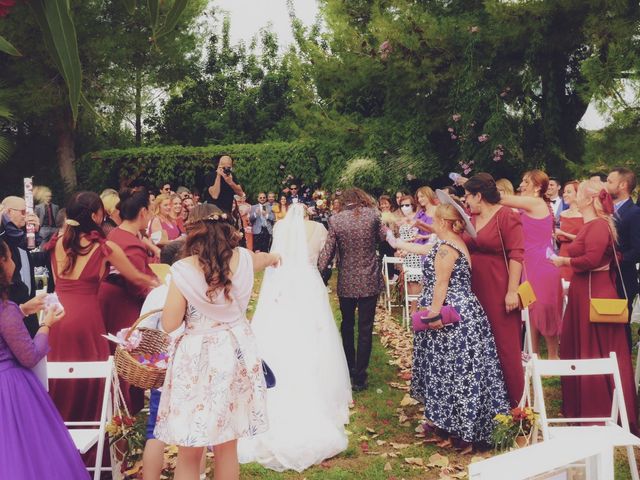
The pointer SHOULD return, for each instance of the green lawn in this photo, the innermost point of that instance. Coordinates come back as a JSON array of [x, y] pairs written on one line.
[[384, 438]]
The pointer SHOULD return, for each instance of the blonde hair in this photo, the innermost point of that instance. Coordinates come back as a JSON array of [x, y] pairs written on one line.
[[40, 192], [505, 185], [110, 200], [449, 213], [158, 201], [592, 189]]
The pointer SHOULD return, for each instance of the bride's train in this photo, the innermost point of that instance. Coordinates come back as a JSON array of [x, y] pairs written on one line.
[[298, 338]]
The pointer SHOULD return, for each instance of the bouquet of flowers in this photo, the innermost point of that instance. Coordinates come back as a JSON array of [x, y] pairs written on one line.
[[520, 422]]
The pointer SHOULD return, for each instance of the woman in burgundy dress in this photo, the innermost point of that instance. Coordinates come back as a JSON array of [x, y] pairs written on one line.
[[79, 261], [591, 258], [537, 225], [570, 224], [492, 281], [120, 299]]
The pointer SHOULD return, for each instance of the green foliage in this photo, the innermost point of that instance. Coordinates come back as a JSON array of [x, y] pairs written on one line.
[[258, 167], [7, 48], [364, 173]]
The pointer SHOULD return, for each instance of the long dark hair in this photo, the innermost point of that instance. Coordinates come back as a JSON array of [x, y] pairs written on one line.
[[79, 222], [211, 237], [5, 279]]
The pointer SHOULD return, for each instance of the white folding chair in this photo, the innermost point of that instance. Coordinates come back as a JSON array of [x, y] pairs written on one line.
[[86, 434], [609, 425], [527, 351], [387, 263], [408, 298]]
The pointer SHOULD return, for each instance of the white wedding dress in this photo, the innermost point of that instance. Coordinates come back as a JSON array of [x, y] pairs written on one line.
[[297, 336]]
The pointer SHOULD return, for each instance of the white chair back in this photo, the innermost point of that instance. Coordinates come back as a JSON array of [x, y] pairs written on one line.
[[409, 298], [86, 434], [387, 262], [573, 368]]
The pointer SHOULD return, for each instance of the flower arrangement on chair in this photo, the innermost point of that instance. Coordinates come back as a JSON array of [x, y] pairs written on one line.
[[514, 429]]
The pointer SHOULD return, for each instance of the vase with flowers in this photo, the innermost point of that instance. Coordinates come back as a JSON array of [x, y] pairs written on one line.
[[514, 429]]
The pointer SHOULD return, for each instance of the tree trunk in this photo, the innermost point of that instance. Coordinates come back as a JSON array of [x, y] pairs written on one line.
[[138, 87], [65, 152]]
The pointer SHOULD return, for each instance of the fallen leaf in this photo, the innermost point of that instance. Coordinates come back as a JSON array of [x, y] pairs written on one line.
[[388, 467], [415, 461], [437, 460]]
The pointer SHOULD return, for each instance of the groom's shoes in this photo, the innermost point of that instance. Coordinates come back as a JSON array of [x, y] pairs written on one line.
[[359, 387]]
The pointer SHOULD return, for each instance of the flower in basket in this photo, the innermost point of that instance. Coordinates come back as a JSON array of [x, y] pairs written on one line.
[[154, 360], [132, 342], [520, 422]]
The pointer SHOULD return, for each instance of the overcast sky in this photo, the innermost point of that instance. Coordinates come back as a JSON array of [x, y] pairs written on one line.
[[249, 16]]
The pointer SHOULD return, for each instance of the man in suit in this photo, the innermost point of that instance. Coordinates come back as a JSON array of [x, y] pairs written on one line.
[[47, 213], [294, 194], [262, 218], [620, 183], [23, 284], [555, 199], [354, 234]]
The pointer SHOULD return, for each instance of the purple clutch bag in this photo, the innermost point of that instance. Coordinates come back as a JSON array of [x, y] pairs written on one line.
[[448, 315]]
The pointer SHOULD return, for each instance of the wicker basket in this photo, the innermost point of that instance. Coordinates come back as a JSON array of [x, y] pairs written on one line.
[[132, 371]]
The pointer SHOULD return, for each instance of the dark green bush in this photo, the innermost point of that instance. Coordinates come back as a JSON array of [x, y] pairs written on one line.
[[263, 166]]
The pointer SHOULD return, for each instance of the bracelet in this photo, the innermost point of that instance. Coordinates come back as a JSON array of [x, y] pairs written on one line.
[[22, 311]]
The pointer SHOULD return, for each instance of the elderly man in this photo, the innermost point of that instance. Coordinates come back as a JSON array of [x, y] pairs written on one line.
[[262, 219], [23, 284]]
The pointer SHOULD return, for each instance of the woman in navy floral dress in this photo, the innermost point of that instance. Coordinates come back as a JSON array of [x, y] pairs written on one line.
[[456, 372]]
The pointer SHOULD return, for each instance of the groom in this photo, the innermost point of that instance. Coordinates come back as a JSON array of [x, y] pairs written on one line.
[[354, 234]]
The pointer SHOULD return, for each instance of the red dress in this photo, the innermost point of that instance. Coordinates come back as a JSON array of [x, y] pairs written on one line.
[[591, 396], [570, 225], [490, 281], [121, 301], [78, 336]]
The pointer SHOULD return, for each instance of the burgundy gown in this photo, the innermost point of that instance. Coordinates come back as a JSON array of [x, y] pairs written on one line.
[[490, 281], [78, 337], [590, 396], [570, 225], [121, 301]]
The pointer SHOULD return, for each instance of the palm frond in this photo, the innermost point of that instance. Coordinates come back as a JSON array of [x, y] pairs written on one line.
[[6, 147]]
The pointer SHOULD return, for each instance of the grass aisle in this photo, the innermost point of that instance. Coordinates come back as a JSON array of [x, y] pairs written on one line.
[[383, 442]]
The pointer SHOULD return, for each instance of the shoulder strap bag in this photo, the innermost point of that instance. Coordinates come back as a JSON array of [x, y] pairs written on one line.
[[609, 310]]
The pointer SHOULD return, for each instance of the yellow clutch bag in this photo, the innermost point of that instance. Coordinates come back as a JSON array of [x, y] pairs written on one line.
[[526, 294], [608, 310]]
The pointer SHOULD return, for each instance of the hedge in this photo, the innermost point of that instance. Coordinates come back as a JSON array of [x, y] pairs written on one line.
[[264, 166]]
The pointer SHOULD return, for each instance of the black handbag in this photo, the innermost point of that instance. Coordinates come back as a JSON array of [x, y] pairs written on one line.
[[269, 377]]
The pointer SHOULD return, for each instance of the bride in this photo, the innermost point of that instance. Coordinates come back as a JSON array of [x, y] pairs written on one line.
[[297, 336]]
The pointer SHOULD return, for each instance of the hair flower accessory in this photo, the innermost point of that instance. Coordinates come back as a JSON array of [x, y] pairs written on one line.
[[71, 222], [607, 202]]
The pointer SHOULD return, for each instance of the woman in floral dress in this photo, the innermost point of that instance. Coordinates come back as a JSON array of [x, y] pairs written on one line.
[[214, 391], [456, 372]]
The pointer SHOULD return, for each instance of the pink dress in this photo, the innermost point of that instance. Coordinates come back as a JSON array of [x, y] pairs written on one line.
[[546, 312], [214, 390]]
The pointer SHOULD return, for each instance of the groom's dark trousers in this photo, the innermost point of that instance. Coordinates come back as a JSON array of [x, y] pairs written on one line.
[[357, 360], [353, 236]]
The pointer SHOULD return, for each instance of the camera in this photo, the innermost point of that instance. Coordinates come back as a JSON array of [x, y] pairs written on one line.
[[226, 170]]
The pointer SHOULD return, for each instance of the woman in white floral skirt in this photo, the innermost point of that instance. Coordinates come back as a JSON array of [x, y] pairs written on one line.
[[214, 391]]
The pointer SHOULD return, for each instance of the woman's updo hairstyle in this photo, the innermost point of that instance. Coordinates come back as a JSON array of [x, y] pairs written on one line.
[[131, 202], [540, 180], [602, 202], [449, 213], [484, 184], [79, 222], [211, 237]]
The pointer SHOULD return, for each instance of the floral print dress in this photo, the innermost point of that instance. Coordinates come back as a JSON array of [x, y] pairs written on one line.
[[214, 390], [456, 372]]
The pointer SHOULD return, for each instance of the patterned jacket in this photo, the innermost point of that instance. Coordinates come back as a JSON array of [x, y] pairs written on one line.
[[354, 235]]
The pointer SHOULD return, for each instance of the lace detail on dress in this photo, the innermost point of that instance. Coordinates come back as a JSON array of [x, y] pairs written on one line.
[[15, 341]]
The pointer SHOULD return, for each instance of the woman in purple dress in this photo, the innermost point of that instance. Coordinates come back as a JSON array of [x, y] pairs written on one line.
[[34, 443]]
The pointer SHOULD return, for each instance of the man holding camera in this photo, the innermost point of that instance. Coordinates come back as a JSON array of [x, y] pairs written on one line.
[[224, 186], [262, 219]]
